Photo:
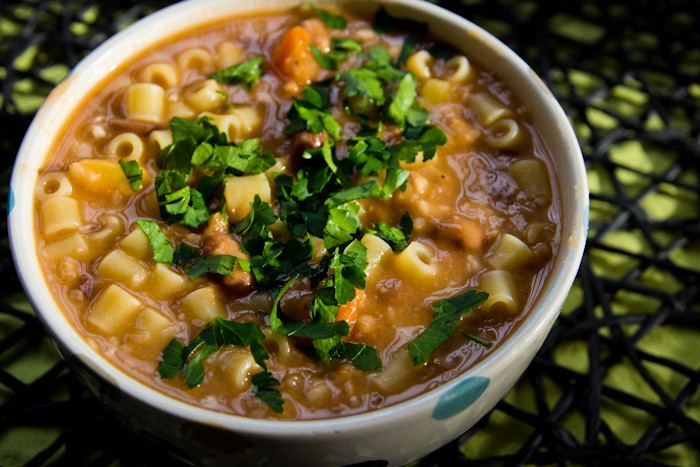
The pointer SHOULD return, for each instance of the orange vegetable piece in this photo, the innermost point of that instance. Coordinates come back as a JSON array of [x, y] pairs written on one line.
[[351, 310], [292, 58]]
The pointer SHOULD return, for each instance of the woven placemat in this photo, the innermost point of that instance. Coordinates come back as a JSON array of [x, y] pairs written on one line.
[[617, 379]]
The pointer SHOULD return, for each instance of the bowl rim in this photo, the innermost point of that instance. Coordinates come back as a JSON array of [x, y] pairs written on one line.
[[530, 332]]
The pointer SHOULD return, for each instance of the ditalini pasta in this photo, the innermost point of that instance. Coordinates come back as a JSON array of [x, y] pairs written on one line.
[[298, 215]]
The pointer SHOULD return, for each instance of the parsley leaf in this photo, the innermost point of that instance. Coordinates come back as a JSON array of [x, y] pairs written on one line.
[[396, 237], [343, 222], [403, 100], [264, 387], [329, 19], [184, 254], [160, 245], [217, 333], [247, 73], [221, 264], [361, 356], [133, 173], [445, 317]]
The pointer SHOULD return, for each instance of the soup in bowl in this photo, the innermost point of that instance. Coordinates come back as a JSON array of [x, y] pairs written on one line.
[[333, 231]]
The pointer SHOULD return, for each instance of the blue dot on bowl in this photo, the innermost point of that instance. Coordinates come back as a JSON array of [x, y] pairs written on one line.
[[460, 397], [10, 201]]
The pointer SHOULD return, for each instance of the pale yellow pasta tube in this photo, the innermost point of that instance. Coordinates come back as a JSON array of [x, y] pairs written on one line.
[[532, 177], [420, 64], [112, 228], [119, 267], [503, 296], [204, 304], [127, 146], [163, 74], [145, 102], [418, 260], [241, 122], [377, 249], [281, 346], [60, 215], [238, 365], [195, 57], [240, 192], [509, 253], [114, 311], [396, 374], [205, 95], [458, 70], [488, 108], [505, 133], [53, 184], [160, 139], [228, 54]]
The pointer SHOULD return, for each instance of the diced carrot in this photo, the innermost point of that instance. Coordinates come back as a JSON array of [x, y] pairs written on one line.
[[293, 58], [351, 310]]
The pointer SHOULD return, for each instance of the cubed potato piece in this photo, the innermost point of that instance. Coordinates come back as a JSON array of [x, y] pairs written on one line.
[[114, 311], [155, 328], [98, 175], [137, 245], [119, 267], [74, 246], [204, 304], [166, 282]]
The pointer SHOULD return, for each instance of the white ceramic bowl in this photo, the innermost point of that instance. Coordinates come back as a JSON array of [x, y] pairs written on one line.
[[397, 434]]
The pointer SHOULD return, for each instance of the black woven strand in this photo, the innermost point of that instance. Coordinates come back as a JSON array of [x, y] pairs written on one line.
[[628, 76]]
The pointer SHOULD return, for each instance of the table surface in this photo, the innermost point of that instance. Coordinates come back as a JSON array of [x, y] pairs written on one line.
[[618, 376]]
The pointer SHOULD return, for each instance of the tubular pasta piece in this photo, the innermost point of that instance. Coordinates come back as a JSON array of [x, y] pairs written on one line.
[[145, 102], [195, 57], [500, 286], [228, 54], [396, 374], [53, 184], [60, 215], [127, 146], [163, 74], [420, 64], [238, 365], [419, 259], [488, 108], [509, 253], [458, 70], [112, 228], [114, 311], [160, 138], [505, 133], [376, 251], [278, 344], [205, 95]]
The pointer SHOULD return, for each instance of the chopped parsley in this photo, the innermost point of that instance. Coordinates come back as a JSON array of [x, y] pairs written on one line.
[[160, 245], [133, 173], [247, 73], [319, 200], [446, 315]]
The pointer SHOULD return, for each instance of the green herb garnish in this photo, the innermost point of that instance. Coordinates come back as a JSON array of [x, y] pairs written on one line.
[[445, 317], [247, 73], [160, 245], [264, 386], [133, 173]]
